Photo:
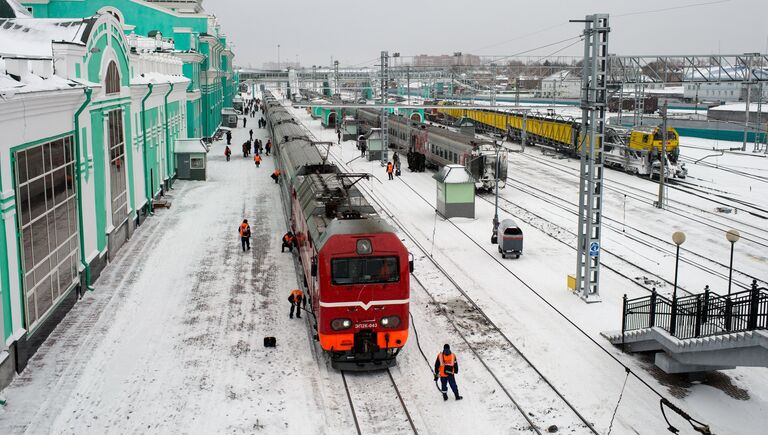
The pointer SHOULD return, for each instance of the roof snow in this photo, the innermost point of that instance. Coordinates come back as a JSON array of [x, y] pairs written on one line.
[[33, 37], [155, 78], [12, 9], [739, 107]]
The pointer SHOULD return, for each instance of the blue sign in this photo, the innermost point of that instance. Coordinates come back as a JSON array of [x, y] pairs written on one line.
[[594, 249]]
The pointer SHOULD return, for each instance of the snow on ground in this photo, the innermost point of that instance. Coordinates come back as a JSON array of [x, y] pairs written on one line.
[[170, 341], [732, 401]]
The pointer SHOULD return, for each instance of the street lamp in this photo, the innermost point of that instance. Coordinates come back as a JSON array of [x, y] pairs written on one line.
[[679, 238], [733, 236], [494, 236], [278, 57]]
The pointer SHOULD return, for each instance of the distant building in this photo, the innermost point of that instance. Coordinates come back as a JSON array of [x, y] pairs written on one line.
[[446, 60], [562, 84], [283, 65]]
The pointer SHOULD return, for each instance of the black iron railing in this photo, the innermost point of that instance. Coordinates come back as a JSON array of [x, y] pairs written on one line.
[[698, 315]]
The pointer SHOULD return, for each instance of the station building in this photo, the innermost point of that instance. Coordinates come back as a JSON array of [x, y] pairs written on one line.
[[90, 111]]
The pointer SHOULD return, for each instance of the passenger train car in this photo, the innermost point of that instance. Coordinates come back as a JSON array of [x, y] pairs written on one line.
[[356, 269], [634, 151], [435, 146]]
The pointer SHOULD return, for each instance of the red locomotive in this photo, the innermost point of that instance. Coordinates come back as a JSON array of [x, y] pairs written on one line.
[[355, 268]]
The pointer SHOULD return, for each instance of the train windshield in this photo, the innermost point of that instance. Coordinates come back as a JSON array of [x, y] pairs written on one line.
[[364, 270]]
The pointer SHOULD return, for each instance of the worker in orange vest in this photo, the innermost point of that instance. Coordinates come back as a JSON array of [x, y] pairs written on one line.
[[288, 241], [245, 234], [276, 176], [296, 299], [390, 169], [446, 368], [257, 159]]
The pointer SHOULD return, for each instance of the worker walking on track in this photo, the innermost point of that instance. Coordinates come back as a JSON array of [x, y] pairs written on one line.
[[276, 176], [390, 169], [446, 368], [297, 301], [245, 235]]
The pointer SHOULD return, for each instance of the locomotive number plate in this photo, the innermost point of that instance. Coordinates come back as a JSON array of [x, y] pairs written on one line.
[[365, 325]]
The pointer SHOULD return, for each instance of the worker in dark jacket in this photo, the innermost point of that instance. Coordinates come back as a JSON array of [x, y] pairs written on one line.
[[446, 368], [245, 235], [229, 137], [297, 301], [288, 242]]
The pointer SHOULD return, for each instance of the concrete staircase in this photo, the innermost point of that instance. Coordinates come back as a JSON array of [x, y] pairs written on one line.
[[715, 352]]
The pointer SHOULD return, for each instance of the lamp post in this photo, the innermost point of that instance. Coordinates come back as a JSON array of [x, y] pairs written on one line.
[[733, 236], [278, 57], [494, 236], [679, 238]]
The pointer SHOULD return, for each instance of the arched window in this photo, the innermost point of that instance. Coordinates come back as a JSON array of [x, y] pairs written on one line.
[[113, 79]]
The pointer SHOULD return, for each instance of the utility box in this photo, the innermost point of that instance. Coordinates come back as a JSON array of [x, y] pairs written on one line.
[[349, 130], [572, 283], [375, 144], [229, 117], [191, 159], [455, 192]]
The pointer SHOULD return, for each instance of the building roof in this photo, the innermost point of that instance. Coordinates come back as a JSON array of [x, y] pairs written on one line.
[[187, 146], [12, 9], [32, 37]]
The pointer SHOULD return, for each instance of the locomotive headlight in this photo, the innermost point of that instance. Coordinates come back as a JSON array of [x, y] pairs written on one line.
[[340, 324], [390, 322], [364, 247]]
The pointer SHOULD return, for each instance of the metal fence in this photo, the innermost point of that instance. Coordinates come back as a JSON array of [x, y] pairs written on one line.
[[699, 315]]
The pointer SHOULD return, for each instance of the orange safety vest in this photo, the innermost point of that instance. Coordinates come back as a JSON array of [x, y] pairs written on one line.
[[389, 167], [276, 173], [296, 295], [287, 238], [243, 229], [257, 158], [446, 360]]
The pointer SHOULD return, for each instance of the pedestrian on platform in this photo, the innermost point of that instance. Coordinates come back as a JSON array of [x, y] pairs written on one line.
[[245, 235], [276, 176], [363, 148], [246, 148], [397, 167], [268, 147], [245, 120], [251, 133], [446, 368], [288, 241], [297, 301], [390, 169], [229, 137], [338, 134], [257, 159], [259, 146], [227, 152]]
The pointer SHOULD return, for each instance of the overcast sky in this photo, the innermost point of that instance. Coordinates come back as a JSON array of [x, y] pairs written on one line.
[[354, 33]]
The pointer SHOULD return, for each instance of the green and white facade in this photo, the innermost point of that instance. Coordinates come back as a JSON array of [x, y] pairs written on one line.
[[197, 39], [90, 111]]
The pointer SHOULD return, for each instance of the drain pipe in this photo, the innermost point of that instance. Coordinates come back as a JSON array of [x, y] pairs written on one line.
[[78, 182], [168, 164], [147, 189]]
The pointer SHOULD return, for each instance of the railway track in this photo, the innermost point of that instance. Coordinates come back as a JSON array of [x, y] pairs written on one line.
[[373, 410], [526, 378], [645, 238], [750, 232]]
